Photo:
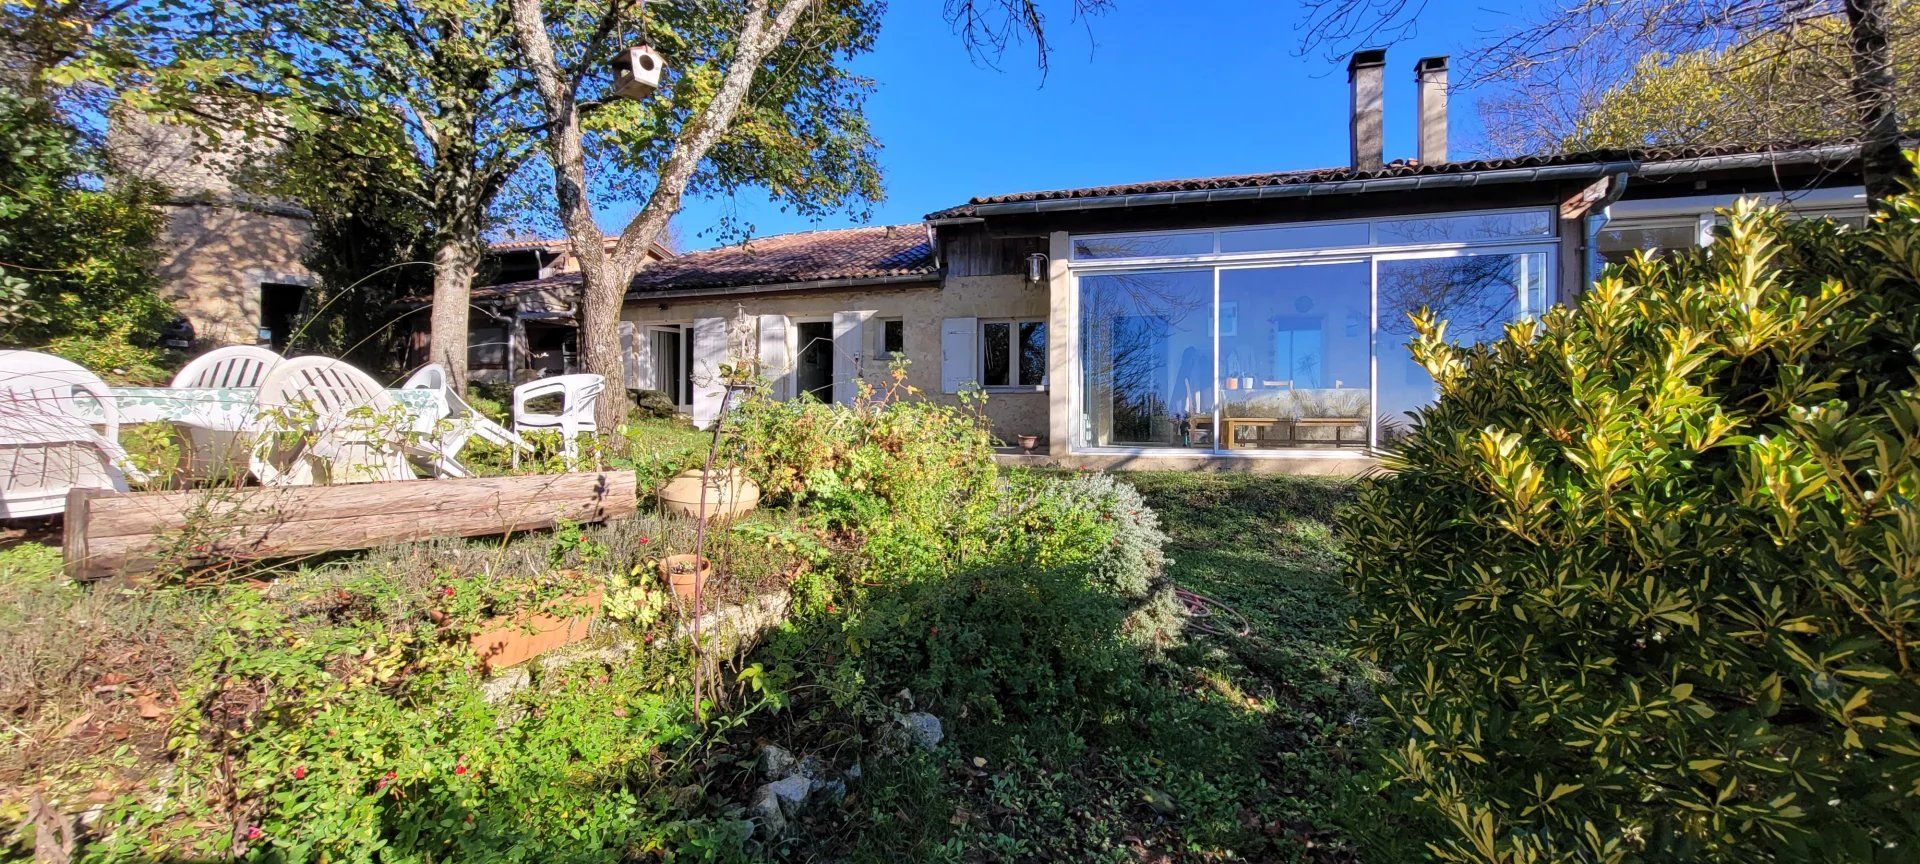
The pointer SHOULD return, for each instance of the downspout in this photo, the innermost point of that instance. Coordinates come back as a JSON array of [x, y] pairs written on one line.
[[1594, 223]]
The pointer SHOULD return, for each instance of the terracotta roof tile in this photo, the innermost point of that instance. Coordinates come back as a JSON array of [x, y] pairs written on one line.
[[810, 256]]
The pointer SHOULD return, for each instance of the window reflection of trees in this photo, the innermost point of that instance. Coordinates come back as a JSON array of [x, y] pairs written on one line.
[[1130, 319], [1476, 295]]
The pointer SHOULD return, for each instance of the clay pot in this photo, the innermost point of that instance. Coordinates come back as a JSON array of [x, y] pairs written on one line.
[[509, 640], [730, 493], [1029, 442], [686, 574]]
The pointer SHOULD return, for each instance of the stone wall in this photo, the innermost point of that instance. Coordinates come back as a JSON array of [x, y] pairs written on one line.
[[215, 258]]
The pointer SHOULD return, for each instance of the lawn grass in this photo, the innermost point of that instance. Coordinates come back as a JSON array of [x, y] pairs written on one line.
[[1234, 747]]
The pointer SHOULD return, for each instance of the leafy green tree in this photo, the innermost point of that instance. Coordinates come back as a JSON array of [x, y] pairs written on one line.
[[74, 260], [1647, 576], [426, 86], [1775, 88], [717, 124], [757, 94], [371, 247]]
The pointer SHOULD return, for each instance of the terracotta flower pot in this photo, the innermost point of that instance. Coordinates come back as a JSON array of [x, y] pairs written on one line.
[[1029, 442], [509, 640], [729, 493], [686, 574]]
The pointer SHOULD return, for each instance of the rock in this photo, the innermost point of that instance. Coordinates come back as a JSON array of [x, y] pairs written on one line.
[[853, 773], [815, 769], [765, 807], [501, 687], [923, 729], [791, 794], [776, 763]]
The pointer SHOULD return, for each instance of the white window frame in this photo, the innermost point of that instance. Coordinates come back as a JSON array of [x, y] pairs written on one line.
[[1549, 245], [880, 351], [1013, 384]]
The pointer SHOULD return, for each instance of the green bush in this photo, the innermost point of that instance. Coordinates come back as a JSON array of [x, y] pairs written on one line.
[[1648, 574], [914, 476], [74, 261]]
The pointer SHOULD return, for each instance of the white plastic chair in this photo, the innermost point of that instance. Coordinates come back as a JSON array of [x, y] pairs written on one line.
[[578, 393], [462, 422], [346, 441], [47, 444], [221, 454], [232, 366]]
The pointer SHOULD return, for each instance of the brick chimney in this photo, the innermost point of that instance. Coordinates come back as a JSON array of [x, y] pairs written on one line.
[[1430, 75], [1366, 77]]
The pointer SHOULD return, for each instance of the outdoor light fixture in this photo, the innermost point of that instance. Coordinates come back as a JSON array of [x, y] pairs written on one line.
[[1037, 268], [636, 72]]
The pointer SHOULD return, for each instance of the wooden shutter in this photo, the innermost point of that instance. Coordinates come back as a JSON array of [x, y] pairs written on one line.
[[709, 353], [776, 353], [959, 353], [849, 352]]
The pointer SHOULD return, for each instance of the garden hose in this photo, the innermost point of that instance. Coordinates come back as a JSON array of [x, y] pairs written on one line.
[[1201, 610]]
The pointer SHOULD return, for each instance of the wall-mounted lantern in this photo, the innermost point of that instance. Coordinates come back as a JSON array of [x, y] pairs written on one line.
[[1037, 269], [636, 72]]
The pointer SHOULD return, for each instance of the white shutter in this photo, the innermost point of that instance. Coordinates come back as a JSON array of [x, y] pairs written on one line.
[[776, 357], [849, 352], [959, 353], [636, 356], [709, 353]]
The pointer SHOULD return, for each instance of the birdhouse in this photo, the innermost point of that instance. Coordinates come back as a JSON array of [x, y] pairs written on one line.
[[636, 72]]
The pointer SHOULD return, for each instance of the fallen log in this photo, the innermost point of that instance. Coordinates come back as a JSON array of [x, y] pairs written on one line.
[[108, 534]]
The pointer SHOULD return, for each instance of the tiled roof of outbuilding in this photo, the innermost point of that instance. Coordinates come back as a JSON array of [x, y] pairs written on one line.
[[809, 256]]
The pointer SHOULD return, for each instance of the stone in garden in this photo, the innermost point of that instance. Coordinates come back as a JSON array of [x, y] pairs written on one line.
[[776, 763], [765, 806], [923, 729], [813, 768], [791, 793]]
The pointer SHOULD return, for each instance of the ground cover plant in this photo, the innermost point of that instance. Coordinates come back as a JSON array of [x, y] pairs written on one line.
[[1645, 578]]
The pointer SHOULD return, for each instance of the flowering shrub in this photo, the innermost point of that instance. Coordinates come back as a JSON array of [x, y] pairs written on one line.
[[1646, 572]]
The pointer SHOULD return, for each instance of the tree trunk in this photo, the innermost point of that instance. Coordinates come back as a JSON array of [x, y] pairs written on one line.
[[605, 277], [454, 263], [1875, 99]]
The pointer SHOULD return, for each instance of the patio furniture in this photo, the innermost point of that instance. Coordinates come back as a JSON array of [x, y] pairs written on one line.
[[232, 366], [458, 422], [211, 452], [47, 444], [324, 421], [577, 396]]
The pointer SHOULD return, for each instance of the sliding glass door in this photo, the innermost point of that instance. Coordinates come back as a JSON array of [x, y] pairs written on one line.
[[1296, 356], [1249, 340]]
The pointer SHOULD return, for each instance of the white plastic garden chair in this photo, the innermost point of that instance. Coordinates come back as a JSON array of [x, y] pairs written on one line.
[[47, 445], [232, 366], [577, 393], [220, 454], [344, 426], [460, 422]]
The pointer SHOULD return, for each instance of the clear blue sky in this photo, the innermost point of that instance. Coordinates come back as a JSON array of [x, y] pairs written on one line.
[[1154, 90]]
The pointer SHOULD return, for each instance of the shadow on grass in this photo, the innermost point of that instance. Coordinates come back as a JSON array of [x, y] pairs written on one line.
[[1067, 739]]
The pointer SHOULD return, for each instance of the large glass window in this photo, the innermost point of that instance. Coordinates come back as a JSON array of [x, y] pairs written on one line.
[[1477, 295], [1295, 356], [1146, 352], [1303, 347]]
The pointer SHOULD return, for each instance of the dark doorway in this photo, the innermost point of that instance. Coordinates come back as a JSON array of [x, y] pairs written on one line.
[[814, 371], [279, 304]]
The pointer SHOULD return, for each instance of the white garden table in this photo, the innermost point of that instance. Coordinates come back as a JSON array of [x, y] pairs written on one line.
[[220, 423]]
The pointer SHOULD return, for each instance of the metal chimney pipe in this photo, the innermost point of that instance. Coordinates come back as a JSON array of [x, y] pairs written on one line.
[[1366, 77], [1430, 76]]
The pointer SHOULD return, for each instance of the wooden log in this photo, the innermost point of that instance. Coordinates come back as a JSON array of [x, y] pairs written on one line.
[[108, 534]]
